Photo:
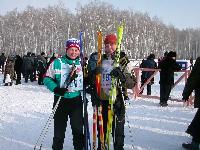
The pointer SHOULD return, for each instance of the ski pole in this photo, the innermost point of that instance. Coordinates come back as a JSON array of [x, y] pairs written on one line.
[[86, 124], [94, 127], [46, 127], [129, 127]]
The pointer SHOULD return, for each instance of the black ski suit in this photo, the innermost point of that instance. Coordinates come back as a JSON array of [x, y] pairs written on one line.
[[168, 66], [193, 83]]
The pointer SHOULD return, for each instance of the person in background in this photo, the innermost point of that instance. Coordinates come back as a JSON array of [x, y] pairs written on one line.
[[28, 67], [148, 63], [64, 77], [18, 68], [54, 56], [168, 66], [2, 62], [41, 67], [9, 70], [85, 70], [34, 58], [162, 58], [193, 83], [191, 63]]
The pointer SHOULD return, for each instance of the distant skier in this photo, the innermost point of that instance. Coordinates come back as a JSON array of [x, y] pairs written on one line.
[[64, 77]]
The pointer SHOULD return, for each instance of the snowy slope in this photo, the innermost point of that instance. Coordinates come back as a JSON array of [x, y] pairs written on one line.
[[25, 108]]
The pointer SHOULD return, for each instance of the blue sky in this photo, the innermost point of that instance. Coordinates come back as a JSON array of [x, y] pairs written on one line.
[[180, 13]]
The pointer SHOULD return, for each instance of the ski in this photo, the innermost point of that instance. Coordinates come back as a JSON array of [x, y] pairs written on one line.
[[98, 110], [113, 90], [87, 143]]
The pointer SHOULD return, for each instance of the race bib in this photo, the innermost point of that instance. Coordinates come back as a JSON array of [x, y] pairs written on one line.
[[107, 66], [77, 83]]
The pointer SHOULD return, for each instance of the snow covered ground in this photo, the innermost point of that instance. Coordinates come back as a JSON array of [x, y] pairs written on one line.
[[25, 108]]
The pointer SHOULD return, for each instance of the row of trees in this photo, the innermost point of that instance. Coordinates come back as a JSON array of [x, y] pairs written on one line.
[[46, 29]]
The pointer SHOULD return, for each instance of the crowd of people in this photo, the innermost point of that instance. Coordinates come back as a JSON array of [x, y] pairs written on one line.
[[65, 76], [29, 66]]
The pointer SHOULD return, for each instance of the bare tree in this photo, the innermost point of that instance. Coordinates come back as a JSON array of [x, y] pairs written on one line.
[[46, 29]]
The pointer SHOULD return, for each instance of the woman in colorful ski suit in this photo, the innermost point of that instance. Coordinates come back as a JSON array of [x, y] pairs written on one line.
[[64, 77]]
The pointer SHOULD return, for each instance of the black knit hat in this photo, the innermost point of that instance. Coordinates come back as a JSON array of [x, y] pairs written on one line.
[[171, 54], [42, 53], [151, 56]]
